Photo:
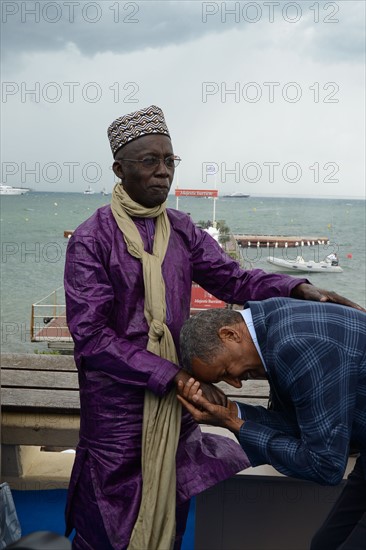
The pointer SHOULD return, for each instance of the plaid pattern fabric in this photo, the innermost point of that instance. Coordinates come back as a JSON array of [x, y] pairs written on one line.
[[316, 359]]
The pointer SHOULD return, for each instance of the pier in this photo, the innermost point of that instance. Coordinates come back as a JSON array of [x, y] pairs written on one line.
[[279, 241]]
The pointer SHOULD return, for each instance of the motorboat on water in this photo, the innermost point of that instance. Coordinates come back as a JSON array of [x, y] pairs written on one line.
[[236, 196], [89, 191], [9, 190], [329, 265]]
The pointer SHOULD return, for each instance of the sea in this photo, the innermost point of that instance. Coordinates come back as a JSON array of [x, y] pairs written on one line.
[[33, 245]]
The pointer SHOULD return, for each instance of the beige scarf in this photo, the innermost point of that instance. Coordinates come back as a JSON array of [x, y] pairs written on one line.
[[155, 525]]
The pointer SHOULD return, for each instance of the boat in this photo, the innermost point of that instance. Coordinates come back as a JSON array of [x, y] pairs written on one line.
[[236, 196], [89, 191], [104, 192], [299, 264], [9, 190]]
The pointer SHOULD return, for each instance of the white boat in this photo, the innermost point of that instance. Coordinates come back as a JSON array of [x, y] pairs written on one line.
[[236, 196], [104, 192], [9, 190], [89, 191], [300, 264]]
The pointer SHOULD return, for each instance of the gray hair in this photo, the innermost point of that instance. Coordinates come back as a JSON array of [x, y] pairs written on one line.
[[199, 336]]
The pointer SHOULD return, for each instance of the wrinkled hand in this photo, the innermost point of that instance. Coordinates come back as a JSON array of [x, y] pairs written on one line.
[[305, 291], [205, 412], [209, 391]]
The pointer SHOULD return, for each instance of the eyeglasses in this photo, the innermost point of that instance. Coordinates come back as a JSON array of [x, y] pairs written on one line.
[[152, 161]]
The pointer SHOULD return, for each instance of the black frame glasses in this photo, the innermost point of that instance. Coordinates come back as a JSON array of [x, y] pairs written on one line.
[[152, 161]]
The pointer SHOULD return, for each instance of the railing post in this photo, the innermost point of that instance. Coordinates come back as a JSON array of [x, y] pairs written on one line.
[[32, 323], [54, 304]]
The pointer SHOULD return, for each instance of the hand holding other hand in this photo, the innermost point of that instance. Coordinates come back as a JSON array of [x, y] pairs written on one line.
[[207, 411]]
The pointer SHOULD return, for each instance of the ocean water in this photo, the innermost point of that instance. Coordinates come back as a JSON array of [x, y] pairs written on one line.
[[33, 244]]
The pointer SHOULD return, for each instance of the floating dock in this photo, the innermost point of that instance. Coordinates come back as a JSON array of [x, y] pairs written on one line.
[[278, 241]]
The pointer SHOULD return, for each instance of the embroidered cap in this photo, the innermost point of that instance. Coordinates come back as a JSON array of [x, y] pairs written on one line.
[[134, 125]]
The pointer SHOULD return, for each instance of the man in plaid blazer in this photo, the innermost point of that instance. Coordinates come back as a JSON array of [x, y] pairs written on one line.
[[314, 357]]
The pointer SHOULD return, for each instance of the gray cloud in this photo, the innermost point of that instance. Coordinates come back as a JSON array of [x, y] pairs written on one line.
[[95, 27], [337, 28]]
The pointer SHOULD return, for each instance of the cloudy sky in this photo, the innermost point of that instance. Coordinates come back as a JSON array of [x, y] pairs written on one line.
[[260, 97]]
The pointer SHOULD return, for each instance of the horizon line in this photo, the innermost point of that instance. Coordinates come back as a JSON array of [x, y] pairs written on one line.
[[250, 195]]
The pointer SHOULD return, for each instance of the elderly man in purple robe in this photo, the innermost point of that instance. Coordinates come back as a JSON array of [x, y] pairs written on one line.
[[128, 277]]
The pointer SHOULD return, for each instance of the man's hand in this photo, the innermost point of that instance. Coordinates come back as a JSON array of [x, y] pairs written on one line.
[[209, 391], [205, 412], [305, 291]]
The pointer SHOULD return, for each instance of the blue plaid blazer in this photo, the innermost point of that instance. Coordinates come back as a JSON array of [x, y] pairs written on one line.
[[315, 354]]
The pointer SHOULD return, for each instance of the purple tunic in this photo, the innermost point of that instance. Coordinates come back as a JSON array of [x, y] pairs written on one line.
[[105, 313]]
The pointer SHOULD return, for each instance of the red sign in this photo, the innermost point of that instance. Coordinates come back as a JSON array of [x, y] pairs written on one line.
[[201, 299], [196, 193]]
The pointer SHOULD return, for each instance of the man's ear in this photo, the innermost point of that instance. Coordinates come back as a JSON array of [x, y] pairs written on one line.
[[117, 169], [229, 333]]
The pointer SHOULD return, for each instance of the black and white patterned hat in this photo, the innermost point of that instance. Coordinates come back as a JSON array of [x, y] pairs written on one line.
[[134, 125]]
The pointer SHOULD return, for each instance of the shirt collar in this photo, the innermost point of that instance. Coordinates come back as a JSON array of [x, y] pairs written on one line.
[[248, 320]]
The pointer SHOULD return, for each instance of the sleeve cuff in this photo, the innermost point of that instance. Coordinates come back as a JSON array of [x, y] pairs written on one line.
[[254, 439], [161, 379]]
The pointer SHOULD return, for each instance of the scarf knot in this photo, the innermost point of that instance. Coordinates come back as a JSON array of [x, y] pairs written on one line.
[[156, 330]]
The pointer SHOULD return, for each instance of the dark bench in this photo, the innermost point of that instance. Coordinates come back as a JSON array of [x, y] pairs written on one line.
[[40, 399], [39, 410]]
